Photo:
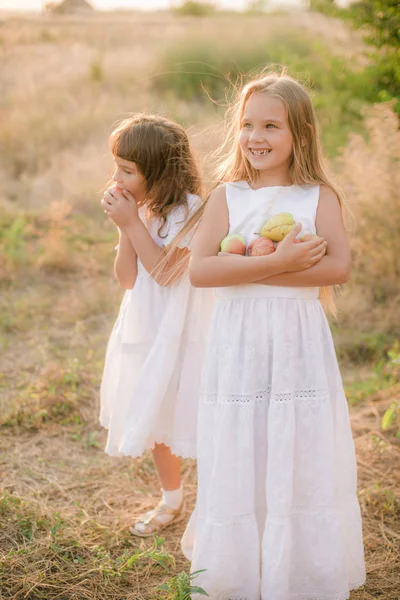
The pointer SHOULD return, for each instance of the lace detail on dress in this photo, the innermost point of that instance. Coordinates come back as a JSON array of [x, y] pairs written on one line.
[[302, 396], [236, 398]]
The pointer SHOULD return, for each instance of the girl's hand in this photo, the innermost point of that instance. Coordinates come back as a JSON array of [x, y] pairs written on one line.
[[298, 257], [120, 207]]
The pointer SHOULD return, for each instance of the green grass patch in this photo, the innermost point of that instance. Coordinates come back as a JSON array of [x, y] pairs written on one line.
[[44, 556], [385, 375], [54, 396], [362, 347], [16, 244]]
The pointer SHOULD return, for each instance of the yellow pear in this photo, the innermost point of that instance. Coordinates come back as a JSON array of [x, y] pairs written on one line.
[[234, 244], [277, 227]]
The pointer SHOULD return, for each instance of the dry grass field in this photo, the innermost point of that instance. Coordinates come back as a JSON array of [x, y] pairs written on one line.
[[64, 505]]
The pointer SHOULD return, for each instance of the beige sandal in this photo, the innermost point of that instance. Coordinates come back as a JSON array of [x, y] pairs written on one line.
[[151, 523]]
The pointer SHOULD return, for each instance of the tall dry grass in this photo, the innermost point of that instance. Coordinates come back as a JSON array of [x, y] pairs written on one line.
[[369, 171]]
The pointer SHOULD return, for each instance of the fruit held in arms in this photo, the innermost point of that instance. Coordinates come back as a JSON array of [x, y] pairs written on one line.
[[234, 244], [277, 227], [261, 247]]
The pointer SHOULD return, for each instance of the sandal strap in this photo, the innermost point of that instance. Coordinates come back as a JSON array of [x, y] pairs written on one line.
[[159, 510], [150, 519]]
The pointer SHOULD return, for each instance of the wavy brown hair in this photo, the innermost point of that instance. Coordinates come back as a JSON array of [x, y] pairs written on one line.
[[161, 150], [307, 165]]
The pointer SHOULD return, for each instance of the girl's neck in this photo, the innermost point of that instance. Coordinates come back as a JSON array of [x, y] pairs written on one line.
[[271, 179]]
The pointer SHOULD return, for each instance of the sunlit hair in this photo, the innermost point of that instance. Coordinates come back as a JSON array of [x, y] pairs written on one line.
[[162, 153], [307, 163]]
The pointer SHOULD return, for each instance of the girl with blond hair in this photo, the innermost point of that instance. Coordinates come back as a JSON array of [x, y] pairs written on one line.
[[277, 515], [149, 392]]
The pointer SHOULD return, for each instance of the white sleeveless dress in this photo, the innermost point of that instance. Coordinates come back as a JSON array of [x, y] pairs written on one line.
[[277, 516], [150, 387]]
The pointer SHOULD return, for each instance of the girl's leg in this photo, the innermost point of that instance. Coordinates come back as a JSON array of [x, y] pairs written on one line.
[[170, 507], [168, 467]]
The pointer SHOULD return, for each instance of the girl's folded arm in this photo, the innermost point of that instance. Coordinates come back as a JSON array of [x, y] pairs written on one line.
[[334, 268], [164, 267], [207, 269], [125, 264]]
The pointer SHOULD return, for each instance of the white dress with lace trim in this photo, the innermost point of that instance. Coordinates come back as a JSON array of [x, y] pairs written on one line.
[[150, 387], [277, 516]]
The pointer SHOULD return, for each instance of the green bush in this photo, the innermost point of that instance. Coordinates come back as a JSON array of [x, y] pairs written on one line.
[[326, 7], [382, 18], [383, 77], [196, 9], [380, 22]]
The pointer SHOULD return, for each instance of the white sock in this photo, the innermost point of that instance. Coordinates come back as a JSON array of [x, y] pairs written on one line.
[[173, 498]]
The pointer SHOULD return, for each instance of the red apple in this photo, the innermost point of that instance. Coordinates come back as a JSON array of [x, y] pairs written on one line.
[[261, 247]]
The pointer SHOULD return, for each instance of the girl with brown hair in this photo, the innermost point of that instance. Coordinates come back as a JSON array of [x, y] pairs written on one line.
[[149, 391]]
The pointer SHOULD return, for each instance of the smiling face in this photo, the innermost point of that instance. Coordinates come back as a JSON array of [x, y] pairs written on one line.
[[128, 177], [265, 138]]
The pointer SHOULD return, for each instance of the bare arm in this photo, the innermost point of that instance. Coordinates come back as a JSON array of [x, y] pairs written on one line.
[[172, 264], [207, 269], [334, 268], [125, 264]]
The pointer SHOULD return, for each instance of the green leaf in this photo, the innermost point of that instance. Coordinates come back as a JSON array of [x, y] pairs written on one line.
[[196, 573], [198, 590], [388, 418], [158, 541]]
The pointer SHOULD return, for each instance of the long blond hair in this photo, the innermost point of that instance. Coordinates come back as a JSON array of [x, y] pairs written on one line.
[[307, 165]]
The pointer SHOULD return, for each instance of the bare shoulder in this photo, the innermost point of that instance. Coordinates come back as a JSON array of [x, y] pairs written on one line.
[[329, 209], [327, 197], [218, 196], [216, 205], [214, 224], [329, 220]]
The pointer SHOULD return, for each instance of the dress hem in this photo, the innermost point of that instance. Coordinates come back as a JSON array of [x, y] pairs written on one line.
[[300, 596], [177, 448]]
